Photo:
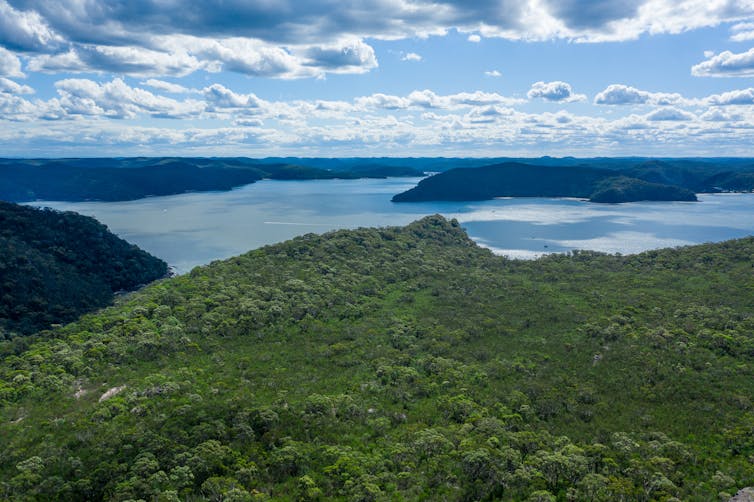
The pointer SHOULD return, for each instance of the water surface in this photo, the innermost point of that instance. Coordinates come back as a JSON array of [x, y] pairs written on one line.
[[196, 228]]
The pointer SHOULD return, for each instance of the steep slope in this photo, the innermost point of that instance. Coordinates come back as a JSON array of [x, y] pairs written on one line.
[[55, 266], [396, 364]]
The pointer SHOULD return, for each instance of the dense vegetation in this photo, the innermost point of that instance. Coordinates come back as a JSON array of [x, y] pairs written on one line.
[[396, 364], [524, 180], [135, 178], [651, 180], [623, 189], [54, 266]]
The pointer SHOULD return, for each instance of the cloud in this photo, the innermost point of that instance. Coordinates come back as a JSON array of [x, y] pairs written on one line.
[[720, 115], [619, 94], [14, 108], [726, 64], [118, 60], [488, 114], [411, 56], [480, 98], [351, 57], [166, 86], [117, 100], [220, 97], [423, 122], [742, 32], [240, 55], [10, 65], [247, 122], [281, 38], [589, 14], [25, 30], [737, 97], [554, 91], [384, 101], [181, 55], [427, 99], [493, 73], [474, 38], [11, 87], [669, 115]]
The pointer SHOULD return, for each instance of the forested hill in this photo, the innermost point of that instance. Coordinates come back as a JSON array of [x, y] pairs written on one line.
[[55, 266], [396, 364], [111, 179], [651, 180]]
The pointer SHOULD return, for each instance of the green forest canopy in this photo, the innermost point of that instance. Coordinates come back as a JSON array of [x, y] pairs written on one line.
[[396, 364], [55, 266]]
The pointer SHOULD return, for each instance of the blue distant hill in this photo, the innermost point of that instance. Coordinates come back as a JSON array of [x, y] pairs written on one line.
[[114, 179], [599, 180]]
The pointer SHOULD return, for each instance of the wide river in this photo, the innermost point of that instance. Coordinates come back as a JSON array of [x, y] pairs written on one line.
[[196, 228]]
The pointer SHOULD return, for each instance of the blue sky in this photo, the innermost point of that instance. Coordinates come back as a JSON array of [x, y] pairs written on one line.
[[377, 77]]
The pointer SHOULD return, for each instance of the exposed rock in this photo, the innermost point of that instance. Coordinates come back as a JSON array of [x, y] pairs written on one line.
[[111, 392], [743, 495]]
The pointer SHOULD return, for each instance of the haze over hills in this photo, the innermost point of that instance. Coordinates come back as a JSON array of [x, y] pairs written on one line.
[[396, 363]]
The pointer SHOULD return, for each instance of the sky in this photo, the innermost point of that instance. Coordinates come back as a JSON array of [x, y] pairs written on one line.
[[370, 78]]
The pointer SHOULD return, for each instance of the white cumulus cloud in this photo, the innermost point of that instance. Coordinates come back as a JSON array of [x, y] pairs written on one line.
[[10, 65], [116, 99], [742, 32], [670, 115], [619, 94], [554, 91], [272, 39], [726, 64], [736, 97], [25, 30], [166, 86], [10, 87]]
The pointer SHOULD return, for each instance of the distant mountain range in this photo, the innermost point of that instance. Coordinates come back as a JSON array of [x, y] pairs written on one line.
[[113, 179], [600, 179], [620, 182]]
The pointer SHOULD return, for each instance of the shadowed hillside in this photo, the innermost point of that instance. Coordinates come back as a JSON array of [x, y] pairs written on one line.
[[55, 266], [525, 180], [135, 178]]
